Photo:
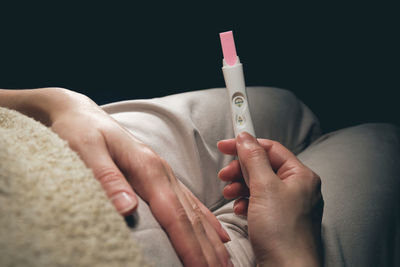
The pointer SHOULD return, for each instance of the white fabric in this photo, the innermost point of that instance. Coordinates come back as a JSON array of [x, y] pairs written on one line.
[[359, 168], [184, 130]]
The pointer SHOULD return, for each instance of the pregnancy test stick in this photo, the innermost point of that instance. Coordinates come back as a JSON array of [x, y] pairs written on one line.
[[234, 81]]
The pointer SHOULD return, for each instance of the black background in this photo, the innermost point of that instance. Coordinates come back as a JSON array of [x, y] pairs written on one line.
[[342, 60]]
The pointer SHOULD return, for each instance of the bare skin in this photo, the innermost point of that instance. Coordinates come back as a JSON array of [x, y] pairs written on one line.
[[283, 203], [122, 164]]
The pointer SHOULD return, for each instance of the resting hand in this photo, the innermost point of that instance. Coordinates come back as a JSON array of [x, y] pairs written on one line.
[[283, 203], [120, 161]]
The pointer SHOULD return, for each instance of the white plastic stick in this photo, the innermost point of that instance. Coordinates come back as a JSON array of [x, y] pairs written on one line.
[[234, 81]]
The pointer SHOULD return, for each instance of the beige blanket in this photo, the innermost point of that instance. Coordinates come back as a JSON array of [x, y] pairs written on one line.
[[53, 212]]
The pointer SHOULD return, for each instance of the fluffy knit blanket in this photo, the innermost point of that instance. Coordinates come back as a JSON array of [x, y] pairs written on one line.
[[53, 212]]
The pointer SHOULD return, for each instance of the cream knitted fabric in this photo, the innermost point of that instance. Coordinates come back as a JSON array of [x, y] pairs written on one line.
[[52, 210]]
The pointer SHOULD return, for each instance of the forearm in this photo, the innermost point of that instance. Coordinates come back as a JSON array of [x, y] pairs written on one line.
[[41, 104]]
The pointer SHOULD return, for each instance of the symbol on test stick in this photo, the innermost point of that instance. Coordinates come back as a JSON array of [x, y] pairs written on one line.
[[239, 101], [240, 120]]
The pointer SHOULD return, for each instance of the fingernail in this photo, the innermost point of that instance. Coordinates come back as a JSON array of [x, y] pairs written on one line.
[[244, 137], [123, 202], [235, 206], [226, 234], [221, 170]]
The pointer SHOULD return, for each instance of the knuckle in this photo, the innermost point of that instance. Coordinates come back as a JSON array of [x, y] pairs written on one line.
[[164, 163], [313, 185], [145, 162], [150, 157], [315, 180], [197, 223], [181, 215], [152, 165], [255, 152], [91, 138], [197, 210], [107, 175], [78, 140]]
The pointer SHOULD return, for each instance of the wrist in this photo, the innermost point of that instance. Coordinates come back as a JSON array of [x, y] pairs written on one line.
[[290, 259], [294, 257], [41, 104]]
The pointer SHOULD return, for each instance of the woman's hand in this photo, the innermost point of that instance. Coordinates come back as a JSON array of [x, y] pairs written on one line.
[[283, 203], [120, 161]]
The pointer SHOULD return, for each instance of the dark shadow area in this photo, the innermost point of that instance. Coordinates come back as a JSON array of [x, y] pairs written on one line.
[[341, 60]]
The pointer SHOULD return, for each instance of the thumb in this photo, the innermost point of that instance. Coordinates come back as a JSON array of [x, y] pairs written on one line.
[[254, 162]]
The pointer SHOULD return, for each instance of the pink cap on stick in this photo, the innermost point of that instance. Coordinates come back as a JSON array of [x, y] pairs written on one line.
[[228, 47]]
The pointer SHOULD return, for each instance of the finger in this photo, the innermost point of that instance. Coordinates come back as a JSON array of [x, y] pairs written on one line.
[[240, 206], [152, 181], [231, 172], [218, 246], [96, 156], [194, 215], [224, 236], [227, 146], [173, 217], [213, 248], [235, 190], [255, 163], [171, 211], [278, 155]]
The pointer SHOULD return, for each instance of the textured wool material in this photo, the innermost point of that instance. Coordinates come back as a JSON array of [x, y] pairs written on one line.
[[53, 212]]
